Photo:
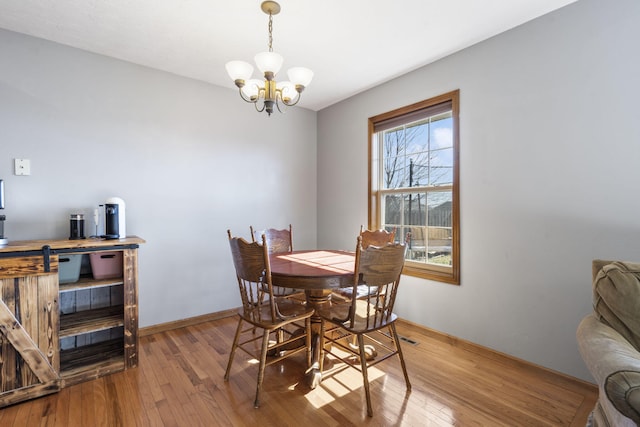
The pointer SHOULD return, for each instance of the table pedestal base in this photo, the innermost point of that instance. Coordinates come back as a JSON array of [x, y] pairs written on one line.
[[314, 374], [318, 299]]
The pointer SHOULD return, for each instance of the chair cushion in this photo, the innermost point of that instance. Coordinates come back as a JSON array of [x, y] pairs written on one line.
[[616, 296]]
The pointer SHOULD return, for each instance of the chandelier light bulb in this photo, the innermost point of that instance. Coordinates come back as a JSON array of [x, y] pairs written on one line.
[[252, 88], [288, 91]]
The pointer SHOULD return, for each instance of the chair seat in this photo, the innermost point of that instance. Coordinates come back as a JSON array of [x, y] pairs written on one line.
[[362, 291], [289, 307], [290, 311], [361, 322]]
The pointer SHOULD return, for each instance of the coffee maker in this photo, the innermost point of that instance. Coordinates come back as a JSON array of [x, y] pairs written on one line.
[[114, 218]]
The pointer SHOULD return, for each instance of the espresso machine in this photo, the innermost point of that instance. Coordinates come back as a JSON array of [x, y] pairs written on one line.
[[114, 218]]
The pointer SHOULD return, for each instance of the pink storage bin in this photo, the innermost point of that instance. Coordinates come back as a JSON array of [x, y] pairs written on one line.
[[106, 265]]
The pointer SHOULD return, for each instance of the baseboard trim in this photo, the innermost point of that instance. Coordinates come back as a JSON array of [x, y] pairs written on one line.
[[505, 358], [183, 323]]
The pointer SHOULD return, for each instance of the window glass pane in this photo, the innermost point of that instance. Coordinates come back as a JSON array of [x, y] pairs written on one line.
[[427, 220], [441, 167], [441, 148], [392, 209], [439, 208], [418, 154], [415, 209], [439, 230], [417, 243], [393, 175], [440, 132]]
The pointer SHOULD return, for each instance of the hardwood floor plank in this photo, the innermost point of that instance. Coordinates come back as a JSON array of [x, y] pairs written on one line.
[[179, 382], [22, 414], [36, 412], [75, 405], [103, 415]]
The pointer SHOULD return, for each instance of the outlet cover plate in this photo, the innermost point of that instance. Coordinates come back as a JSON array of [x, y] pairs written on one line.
[[22, 166]]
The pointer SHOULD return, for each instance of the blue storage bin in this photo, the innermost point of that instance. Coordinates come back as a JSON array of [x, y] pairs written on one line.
[[69, 268]]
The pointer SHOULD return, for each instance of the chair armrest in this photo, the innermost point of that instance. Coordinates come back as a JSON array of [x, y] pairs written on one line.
[[614, 364]]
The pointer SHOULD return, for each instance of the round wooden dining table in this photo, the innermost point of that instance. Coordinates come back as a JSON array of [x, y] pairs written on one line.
[[317, 272]]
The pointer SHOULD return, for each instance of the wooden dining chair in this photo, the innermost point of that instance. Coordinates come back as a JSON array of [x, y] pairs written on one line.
[[279, 241], [380, 237], [376, 237], [369, 318], [261, 309]]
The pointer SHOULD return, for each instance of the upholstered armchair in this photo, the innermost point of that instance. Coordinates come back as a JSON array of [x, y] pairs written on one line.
[[609, 341]]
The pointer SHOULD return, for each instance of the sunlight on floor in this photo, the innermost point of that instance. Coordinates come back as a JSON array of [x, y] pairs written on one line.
[[340, 380], [342, 387]]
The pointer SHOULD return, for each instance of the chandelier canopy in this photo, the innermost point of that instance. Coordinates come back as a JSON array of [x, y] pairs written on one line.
[[269, 63]]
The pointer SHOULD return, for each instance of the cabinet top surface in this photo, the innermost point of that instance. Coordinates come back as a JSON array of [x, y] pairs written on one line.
[[30, 245]]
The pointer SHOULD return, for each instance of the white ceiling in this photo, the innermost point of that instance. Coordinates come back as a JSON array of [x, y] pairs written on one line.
[[351, 45]]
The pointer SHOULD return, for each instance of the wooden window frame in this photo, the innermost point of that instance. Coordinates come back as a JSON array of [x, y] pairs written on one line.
[[444, 274]]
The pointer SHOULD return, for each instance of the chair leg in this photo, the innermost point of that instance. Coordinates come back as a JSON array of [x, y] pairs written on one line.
[[307, 340], [234, 346], [263, 362], [322, 352], [365, 375], [397, 343]]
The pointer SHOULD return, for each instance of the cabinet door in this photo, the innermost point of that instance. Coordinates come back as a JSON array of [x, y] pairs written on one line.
[[29, 323]]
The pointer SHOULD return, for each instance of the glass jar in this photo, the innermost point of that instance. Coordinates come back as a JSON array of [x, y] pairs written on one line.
[[76, 226]]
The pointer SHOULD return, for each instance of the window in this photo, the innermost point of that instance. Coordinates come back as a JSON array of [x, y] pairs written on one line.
[[414, 184]]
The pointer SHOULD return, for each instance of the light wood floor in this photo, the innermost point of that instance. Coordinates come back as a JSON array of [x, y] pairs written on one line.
[[179, 382]]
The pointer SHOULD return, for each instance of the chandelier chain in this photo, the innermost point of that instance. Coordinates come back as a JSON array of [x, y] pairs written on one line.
[[270, 32]]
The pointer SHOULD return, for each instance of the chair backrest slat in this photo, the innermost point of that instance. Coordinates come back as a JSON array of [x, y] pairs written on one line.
[[253, 271], [376, 237], [278, 241]]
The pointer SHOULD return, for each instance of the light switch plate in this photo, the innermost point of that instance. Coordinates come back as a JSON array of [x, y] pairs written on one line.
[[22, 166]]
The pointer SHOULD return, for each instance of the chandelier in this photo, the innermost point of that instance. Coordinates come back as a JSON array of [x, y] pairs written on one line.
[[269, 63]]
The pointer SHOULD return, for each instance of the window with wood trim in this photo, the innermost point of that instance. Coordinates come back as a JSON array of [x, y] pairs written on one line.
[[414, 184]]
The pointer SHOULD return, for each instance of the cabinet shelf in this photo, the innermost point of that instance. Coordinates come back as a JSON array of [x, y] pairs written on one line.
[[82, 322], [91, 361], [89, 283]]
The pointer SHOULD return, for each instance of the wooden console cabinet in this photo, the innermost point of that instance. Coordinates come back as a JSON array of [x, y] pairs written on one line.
[[53, 335]]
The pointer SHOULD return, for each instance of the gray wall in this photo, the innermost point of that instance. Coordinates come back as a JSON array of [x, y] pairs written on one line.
[[550, 148], [189, 159]]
